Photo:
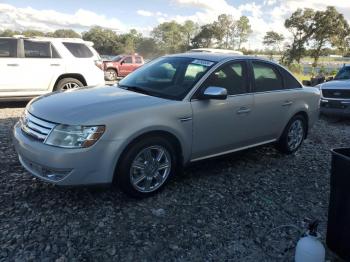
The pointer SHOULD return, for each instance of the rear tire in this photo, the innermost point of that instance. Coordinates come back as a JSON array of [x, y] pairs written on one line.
[[68, 83], [111, 74], [293, 135], [146, 167]]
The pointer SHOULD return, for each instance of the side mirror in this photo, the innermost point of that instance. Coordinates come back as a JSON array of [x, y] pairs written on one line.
[[122, 62], [215, 92], [306, 82]]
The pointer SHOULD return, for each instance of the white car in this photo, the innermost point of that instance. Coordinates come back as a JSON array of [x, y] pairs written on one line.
[[35, 66]]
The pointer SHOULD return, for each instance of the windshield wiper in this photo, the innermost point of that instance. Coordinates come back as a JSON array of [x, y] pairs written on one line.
[[135, 89]]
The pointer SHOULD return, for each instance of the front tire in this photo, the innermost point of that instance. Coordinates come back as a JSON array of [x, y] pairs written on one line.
[[111, 74], [68, 83], [146, 167], [293, 135]]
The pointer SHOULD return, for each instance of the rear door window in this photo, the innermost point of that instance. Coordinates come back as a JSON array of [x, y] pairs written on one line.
[[289, 81], [78, 50], [8, 48], [266, 77], [39, 49], [36, 49]]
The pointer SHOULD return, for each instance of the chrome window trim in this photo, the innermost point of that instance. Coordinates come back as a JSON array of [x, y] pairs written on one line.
[[190, 94]]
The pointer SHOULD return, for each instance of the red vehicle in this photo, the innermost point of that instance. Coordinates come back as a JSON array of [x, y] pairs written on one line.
[[121, 66]]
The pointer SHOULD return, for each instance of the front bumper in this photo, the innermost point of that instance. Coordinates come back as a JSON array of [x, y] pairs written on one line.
[[68, 167], [335, 107]]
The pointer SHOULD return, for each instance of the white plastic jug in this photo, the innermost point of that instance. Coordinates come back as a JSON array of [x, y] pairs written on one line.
[[310, 249]]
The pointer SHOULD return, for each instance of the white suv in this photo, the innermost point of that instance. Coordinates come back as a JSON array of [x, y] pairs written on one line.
[[34, 66]]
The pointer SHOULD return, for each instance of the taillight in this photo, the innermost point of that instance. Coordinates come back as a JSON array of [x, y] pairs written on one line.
[[99, 64]]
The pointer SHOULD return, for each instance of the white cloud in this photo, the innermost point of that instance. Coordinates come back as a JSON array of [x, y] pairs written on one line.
[[48, 20], [269, 2], [252, 8], [149, 13], [207, 4], [144, 13]]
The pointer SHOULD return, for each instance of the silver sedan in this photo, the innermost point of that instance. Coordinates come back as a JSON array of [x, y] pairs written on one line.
[[172, 111]]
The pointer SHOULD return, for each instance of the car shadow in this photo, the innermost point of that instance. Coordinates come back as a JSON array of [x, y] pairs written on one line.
[[336, 119], [14, 104]]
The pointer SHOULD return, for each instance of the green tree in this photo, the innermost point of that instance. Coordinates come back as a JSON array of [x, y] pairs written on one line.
[[105, 40], [169, 36], [32, 33], [342, 43], [242, 30], [273, 41], [329, 27], [65, 33], [223, 28], [189, 29], [301, 25], [128, 42], [148, 48], [205, 37], [9, 33]]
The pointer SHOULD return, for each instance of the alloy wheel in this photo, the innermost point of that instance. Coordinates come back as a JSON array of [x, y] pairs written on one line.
[[150, 169], [70, 85], [295, 134]]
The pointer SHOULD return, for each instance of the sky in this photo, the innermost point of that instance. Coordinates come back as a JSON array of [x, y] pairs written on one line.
[[80, 15]]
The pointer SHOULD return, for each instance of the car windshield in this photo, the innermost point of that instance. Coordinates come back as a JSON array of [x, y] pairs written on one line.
[[167, 77], [117, 58], [343, 74]]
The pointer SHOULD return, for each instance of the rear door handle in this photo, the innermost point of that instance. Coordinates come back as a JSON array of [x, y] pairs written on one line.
[[55, 64], [287, 103], [244, 110], [12, 64]]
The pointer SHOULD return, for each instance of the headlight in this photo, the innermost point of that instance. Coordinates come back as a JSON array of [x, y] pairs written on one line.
[[74, 136]]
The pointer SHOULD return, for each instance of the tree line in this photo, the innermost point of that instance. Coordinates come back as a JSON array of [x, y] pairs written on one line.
[[167, 37], [314, 33]]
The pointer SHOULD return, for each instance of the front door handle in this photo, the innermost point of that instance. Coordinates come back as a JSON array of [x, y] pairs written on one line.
[[55, 64], [12, 64], [244, 110], [287, 103]]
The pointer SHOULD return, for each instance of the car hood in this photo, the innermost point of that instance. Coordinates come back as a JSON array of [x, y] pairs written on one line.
[[84, 105], [336, 84]]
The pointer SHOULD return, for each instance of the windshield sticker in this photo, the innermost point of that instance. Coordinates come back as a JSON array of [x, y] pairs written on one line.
[[202, 62]]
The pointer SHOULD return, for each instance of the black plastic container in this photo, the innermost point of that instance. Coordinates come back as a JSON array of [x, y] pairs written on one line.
[[338, 228]]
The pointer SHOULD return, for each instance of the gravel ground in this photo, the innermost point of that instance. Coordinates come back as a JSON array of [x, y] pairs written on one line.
[[247, 206]]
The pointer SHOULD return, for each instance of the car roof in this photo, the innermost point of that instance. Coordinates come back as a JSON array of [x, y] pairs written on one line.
[[217, 50], [217, 57], [51, 39]]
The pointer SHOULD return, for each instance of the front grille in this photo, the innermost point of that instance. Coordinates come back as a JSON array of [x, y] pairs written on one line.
[[35, 127], [339, 93]]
